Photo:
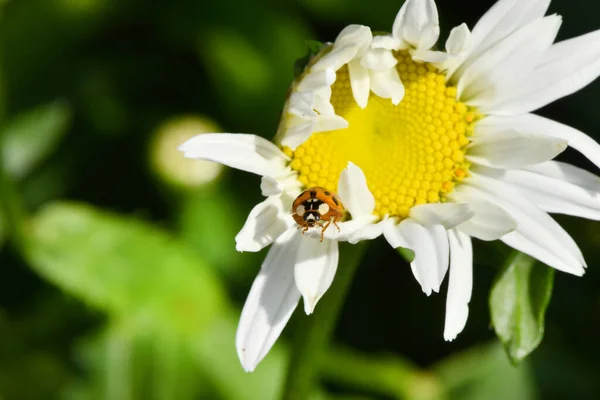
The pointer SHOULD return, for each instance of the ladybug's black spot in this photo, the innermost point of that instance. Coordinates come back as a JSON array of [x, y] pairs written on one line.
[[327, 194], [312, 204], [313, 194], [335, 201]]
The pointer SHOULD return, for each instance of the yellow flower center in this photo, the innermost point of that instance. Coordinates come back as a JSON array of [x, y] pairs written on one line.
[[411, 153]]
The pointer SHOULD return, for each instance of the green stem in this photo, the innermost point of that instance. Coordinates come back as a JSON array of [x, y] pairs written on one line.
[[318, 328]]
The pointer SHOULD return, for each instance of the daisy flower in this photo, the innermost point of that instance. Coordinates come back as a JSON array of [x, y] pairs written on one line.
[[428, 148]]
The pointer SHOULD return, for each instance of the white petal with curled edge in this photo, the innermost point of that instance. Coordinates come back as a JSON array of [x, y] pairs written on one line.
[[330, 123], [360, 82], [315, 269], [269, 186], [378, 59], [353, 40], [459, 39], [534, 124], [249, 153], [386, 42], [430, 245], [265, 223], [387, 84], [301, 104], [348, 230], [316, 80], [336, 58], [417, 23], [369, 231], [355, 35], [430, 56], [354, 192], [392, 234], [514, 150], [537, 234], [447, 214], [460, 283], [270, 303], [559, 188], [490, 222], [298, 132]]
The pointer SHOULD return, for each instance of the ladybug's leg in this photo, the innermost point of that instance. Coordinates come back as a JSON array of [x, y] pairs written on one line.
[[337, 219], [304, 228], [324, 228]]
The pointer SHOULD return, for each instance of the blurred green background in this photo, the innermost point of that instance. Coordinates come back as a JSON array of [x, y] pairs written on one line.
[[119, 277]]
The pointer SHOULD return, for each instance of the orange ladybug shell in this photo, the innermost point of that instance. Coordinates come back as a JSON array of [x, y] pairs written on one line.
[[335, 209]]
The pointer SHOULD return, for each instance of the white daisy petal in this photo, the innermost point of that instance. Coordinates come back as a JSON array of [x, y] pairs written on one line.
[[315, 268], [336, 58], [392, 234], [347, 229], [265, 223], [429, 244], [534, 124], [566, 68], [511, 59], [442, 250], [460, 283], [353, 40], [360, 82], [298, 133], [316, 80], [559, 188], [490, 222], [301, 104], [369, 231], [459, 40], [270, 303], [387, 84], [567, 173], [537, 234], [417, 23], [430, 56], [513, 149], [378, 59], [322, 102], [354, 192], [249, 153], [504, 18], [386, 42], [356, 35], [447, 214], [330, 123], [269, 186]]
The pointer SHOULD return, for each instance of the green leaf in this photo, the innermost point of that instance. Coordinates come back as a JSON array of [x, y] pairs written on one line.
[[483, 372], [314, 46], [210, 223], [30, 137], [125, 267], [518, 302], [124, 362], [407, 254]]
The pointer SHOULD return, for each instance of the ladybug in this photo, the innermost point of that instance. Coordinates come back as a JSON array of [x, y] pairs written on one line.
[[317, 206]]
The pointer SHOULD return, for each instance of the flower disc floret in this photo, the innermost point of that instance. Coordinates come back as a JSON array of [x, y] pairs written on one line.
[[411, 153]]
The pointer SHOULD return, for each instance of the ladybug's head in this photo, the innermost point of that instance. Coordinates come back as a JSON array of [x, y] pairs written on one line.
[[311, 218]]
